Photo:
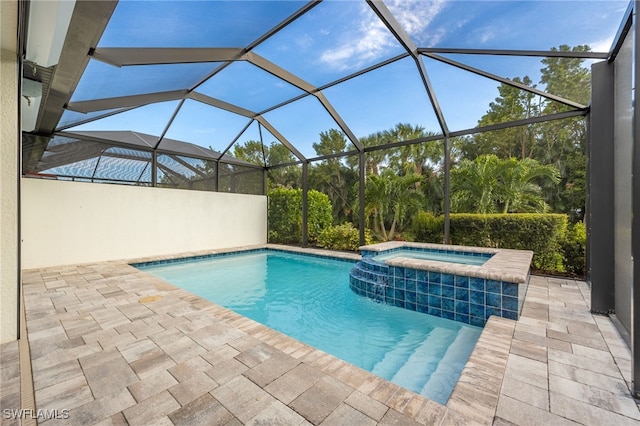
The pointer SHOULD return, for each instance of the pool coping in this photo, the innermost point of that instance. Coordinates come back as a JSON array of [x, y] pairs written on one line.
[[505, 265], [474, 398]]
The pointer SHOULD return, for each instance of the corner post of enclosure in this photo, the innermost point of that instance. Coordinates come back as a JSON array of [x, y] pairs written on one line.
[[265, 176], [361, 188], [154, 168], [635, 214], [447, 189], [217, 186], [305, 203]]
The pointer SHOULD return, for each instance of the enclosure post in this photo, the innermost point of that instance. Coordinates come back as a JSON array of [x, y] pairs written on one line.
[[600, 217], [305, 204], [447, 189], [265, 176], [635, 214], [154, 168], [217, 176], [361, 170]]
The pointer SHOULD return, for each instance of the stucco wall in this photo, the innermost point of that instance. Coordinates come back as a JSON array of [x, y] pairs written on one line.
[[71, 222], [8, 175]]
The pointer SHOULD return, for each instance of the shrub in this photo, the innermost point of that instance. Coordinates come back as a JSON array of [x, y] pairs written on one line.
[[285, 215], [428, 228], [539, 232], [573, 249], [343, 237]]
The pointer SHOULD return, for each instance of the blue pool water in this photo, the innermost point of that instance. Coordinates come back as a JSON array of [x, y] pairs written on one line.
[[308, 298], [467, 259]]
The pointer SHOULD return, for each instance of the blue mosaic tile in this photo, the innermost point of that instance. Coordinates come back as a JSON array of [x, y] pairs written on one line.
[[398, 303], [492, 311], [447, 279], [509, 314], [435, 301], [462, 318], [422, 287], [410, 297], [410, 274], [462, 294], [447, 291], [462, 307], [410, 285], [478, 322], [494, 300], [510, 289], [476, 283], [422, 275], [477, 297], [398, 294], [476, 310], [494, 286], [448, 304], [435, 277], [422, 299], [400, 283], [510, 303], [434, 311], [448, 315], [422, 308], [410, 306], [435, 289], [461, 281]]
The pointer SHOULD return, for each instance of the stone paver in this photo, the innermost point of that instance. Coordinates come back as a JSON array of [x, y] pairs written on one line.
[[114, 345]]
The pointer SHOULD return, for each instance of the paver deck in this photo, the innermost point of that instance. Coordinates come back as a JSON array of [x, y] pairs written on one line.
[[110, 344]]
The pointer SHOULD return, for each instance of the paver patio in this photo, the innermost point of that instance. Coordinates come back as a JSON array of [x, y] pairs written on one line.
[[114, 345]]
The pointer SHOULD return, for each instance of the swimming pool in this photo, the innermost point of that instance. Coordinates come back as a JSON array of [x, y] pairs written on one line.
[[309, 298], [441, 255]]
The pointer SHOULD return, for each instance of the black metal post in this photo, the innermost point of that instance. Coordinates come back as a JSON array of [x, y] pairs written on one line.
[[361, 189], [447, 190]]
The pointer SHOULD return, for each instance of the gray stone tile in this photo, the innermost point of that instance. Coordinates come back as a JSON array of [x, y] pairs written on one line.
[[602, 381], [226, 370], [243, 398], [271, 369], [367, 405], [293, 383], [594, 396], [528, 370], [110, 377], [152, 385], [317, 402], [608, 368], [193, 388], [67, 394], [524, 414], [152, 410], [585, 413], [203, 411], [256, 355], [345, 415], [525, 392], [393, 418], [276, 414], [101, 409]]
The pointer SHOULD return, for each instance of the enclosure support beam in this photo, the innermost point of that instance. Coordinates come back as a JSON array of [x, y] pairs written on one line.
[[154, 168], [305, 204], [361, 170], [600, 183], [447, 191], [635, 214]]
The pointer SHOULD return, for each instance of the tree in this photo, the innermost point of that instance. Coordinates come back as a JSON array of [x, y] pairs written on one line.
[[271, 155], [491, 185]]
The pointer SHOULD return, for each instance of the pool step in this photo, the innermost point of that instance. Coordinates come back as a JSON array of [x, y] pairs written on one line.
[[419, 367], [456, 355], [397, 357]]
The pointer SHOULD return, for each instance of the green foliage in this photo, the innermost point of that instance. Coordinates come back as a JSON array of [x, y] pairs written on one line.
[[427, 228], [489, 184], [541, 233], [285, 215], [573, 249], [343, 237]]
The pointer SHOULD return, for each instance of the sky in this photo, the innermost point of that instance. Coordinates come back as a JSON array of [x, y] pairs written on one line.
[[331, 41]]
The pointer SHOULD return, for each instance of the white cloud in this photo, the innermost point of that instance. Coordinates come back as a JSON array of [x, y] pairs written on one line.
[[371, 39], [602, 45]]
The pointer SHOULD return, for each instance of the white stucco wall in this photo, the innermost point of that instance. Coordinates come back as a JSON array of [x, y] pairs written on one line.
[[8, 174], [72, 222]]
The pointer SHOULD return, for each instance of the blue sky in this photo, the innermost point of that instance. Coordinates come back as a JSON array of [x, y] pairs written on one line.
[[332, 40]]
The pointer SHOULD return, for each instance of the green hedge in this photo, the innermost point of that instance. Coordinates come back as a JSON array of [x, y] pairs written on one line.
[[343, 237], [544, 234], [285, 215]]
